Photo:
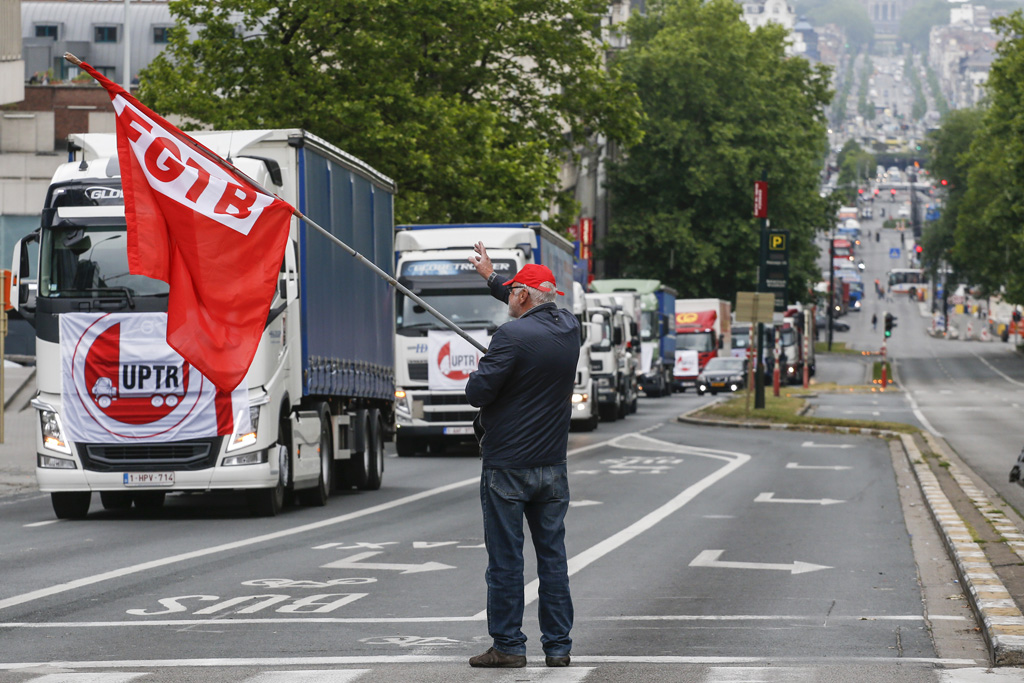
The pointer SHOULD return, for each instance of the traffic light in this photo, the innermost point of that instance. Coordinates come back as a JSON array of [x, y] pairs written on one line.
[[892, 191], [918, 248], [890, 322], [944, 182]]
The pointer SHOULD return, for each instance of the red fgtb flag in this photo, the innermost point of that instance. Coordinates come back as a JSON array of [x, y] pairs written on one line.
[[211, 234]]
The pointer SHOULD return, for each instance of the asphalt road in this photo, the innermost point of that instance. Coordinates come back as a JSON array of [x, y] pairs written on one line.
[[696, 554]]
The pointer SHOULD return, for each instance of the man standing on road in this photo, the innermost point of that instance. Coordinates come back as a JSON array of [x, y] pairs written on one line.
[[523, 387]]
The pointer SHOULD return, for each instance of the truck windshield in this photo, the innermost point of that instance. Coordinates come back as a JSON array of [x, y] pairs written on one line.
[[648, 325], [88, 262], [695, 341], [788, 337], [465, 307]]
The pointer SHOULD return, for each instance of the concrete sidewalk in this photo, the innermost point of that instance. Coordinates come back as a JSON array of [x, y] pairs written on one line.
[[17, 452]]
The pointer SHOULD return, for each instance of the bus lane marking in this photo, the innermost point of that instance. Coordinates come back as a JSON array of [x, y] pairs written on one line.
[[84, 581]]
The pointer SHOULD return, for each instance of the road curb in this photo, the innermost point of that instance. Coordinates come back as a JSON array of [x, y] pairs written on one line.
[[1002, 621], [686, 418]]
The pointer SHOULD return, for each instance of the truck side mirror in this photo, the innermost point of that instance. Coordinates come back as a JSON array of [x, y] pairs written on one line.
[[21, 269]]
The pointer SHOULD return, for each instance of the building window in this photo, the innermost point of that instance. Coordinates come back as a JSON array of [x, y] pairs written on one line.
[[105, 34], [46, 31], [161, 34]]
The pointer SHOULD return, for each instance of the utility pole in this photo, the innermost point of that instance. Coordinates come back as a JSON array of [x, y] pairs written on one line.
[[761, 211]]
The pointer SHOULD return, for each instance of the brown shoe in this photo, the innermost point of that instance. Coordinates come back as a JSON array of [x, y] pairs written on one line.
[[557, 661], [493, 659]]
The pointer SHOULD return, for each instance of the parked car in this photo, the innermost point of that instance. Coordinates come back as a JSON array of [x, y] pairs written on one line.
[[723, 374], [821, 321]]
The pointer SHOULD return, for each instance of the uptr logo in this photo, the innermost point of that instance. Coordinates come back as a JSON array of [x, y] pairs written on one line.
[[686, 318], [455, 366]]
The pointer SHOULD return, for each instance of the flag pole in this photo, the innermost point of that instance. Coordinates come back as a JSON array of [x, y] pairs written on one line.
[[223, 163]]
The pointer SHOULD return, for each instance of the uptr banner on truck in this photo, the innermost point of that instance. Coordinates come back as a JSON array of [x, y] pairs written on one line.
[[122, 383], [687, 364], [450, 359]]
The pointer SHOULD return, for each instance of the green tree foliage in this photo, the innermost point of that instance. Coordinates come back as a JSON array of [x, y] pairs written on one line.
[[723, 105], [990, 223], [855, 167], [470, 105], [949, 151]]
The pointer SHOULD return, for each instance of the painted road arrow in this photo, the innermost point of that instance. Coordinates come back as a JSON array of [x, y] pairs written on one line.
[[356, 562], [797, 466], [811, 444], [769, 497], [709, 558]]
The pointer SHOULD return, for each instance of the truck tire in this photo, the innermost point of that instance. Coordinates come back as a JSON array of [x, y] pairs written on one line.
[[318, 495], [369, 463], [149, 500], [609, 412], [268, 502], [116, 500], [591, 423], [71, 504]]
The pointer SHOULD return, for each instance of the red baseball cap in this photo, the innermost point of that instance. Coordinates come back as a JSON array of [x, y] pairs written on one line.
[[534, 275]]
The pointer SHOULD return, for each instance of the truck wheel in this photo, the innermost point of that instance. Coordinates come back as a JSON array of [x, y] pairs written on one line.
[[116, 500], [591, 423], [268, 502], [149, 500], [318, 495], [71, 504], [406, 447], [609, 412], [371, 460]]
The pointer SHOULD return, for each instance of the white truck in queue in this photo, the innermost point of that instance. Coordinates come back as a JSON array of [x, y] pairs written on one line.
[[433, 363], [121, 414], [614, 364], [585, 414]]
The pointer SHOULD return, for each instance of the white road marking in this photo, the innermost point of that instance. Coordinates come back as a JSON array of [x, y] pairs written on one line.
[[981, 675], [253, 540], [769, 497], [583, 503], [274, 621], [440, 659], [356, 562], [997, 371], [432, 544], [88, 678], [811, 444], [709, 558], [798, 466], [596, 552], [308, 676], [45, 523], [750, 674], [916, 410]]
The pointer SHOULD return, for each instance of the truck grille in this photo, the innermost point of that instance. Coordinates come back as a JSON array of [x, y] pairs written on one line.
[[452, 407], [150, 457], [418, 370]]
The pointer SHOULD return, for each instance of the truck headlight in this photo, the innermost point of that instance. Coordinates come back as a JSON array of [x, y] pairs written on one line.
[[246, 438], [402, 401], [53, 434], [580, 398]]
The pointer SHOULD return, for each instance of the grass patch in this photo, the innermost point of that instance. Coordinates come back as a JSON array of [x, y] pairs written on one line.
[[876, 372], [785, 409]]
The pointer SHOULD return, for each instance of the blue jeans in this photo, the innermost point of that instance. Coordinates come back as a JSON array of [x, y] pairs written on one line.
[[541, 494]]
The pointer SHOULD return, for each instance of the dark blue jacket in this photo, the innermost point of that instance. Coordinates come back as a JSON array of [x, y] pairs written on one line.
[[523, 387]]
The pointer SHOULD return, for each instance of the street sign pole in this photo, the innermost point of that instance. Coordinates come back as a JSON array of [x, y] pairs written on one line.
[[761, 211]]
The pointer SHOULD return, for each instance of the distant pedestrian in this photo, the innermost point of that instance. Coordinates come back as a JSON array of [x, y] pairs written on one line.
[[874, 322], [523, 386]]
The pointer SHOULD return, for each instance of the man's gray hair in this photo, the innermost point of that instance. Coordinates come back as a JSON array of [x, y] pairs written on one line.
[[538, 297]]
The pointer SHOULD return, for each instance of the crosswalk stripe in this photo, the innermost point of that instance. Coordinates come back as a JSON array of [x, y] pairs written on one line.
[[308, 676], [93, 677], [572, 674], [757, 674]]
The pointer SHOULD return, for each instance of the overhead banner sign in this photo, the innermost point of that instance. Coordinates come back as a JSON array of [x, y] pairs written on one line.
[[122, 383], [451, 359]]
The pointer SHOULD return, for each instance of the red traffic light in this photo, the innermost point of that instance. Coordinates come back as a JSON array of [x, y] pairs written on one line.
[[892, 191], [943, 181], [876, 190], [860, 190], [918, 249]]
